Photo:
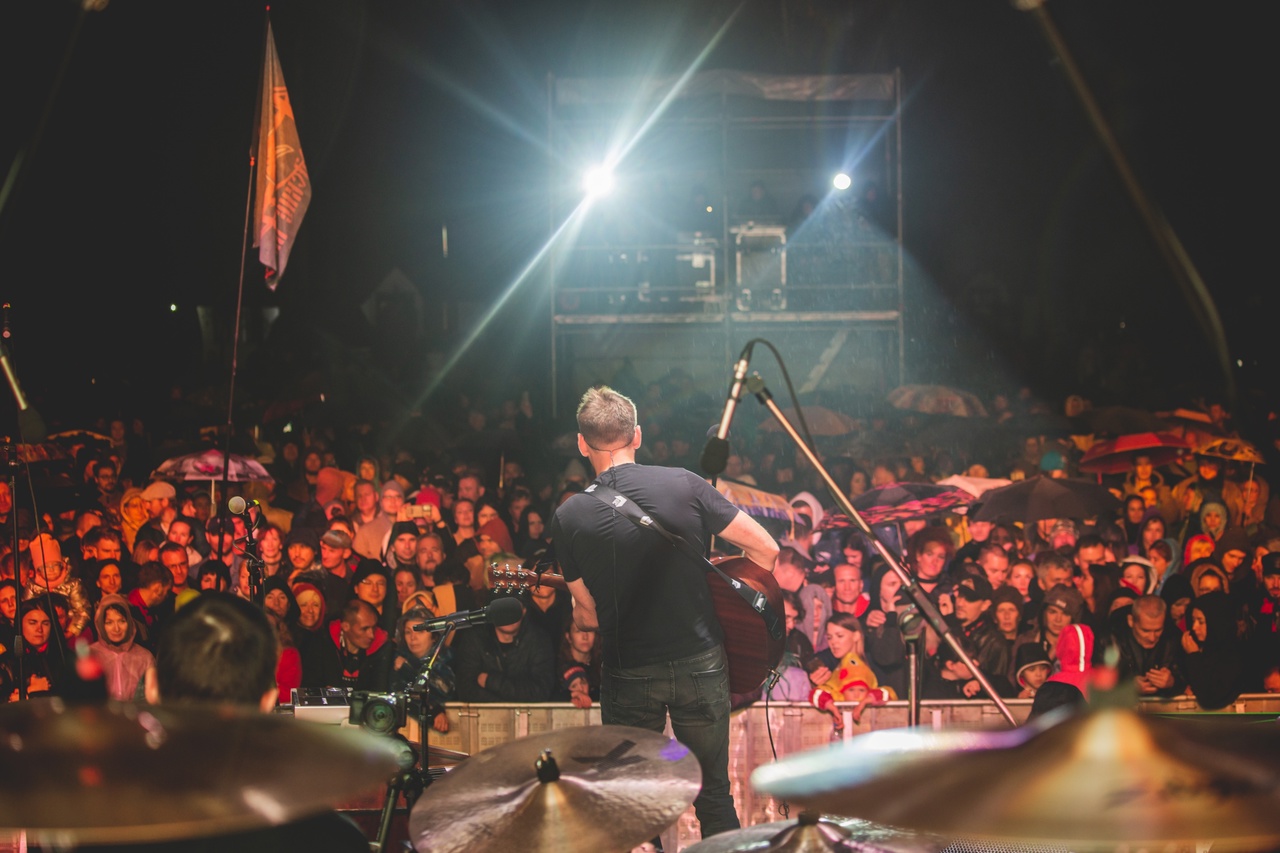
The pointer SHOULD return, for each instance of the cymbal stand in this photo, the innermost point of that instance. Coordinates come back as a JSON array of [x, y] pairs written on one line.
[[757, 387], [413, 780]]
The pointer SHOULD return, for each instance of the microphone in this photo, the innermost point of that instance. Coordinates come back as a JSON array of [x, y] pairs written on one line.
[[502, 611], [715, 456], [239, 506]]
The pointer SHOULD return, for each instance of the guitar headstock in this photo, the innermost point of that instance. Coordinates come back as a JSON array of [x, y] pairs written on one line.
[[514, 577]]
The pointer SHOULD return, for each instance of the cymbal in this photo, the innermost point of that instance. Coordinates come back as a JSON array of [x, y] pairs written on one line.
[[114, 773], [811, 834], [439, 753], [574, 790], [1098, 780]]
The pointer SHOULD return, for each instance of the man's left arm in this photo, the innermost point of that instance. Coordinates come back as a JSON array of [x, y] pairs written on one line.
[[756, 543]]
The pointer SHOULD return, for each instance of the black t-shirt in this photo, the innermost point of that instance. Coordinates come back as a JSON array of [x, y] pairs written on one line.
[[652, 602]]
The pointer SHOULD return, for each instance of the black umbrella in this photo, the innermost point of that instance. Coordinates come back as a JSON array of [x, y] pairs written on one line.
[[1045, 497]]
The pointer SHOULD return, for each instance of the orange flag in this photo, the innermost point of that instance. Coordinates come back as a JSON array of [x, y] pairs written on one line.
[[284, 188]]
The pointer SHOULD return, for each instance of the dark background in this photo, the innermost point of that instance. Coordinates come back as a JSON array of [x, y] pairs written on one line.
[[1030, 266]]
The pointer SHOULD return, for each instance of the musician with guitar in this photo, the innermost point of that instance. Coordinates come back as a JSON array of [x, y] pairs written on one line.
[[664, 649]]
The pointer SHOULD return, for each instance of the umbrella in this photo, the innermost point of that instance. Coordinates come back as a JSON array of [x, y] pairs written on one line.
[[976, 486], [756, 503], [44, 452], [821, 421], [900, 502], [208, 464], [1115, 455], [1045, 497], [1119, 420], [79, 436], [1192, 419], [1232, 448], [937, 400]]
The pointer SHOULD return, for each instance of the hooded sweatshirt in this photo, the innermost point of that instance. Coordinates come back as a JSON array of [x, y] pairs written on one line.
[[1215, 672], [123, 663], [1069, 686]]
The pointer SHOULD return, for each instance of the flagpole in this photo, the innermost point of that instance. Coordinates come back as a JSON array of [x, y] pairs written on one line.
[[244, 249]]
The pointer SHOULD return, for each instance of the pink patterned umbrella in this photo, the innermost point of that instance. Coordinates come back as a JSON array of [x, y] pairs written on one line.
[[900, 502], [208, 464]]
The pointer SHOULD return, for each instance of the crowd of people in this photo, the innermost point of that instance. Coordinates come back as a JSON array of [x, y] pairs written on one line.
[[1179, 591]]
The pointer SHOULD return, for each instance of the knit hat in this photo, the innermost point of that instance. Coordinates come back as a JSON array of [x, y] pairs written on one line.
[[497, 531], [401, 528], [1067, 598], [1010, 595], [1271, 564], [1234, 539], [391, 486], [304, 536]]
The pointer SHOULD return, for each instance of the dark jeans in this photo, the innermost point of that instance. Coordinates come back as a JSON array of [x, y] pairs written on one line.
[[695, 691]]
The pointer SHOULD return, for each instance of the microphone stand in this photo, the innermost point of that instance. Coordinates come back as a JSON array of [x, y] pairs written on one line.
[[411, 782], [249, 553], [756, 386]]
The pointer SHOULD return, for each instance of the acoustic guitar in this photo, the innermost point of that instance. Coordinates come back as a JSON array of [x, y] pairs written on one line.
[[751, 650]]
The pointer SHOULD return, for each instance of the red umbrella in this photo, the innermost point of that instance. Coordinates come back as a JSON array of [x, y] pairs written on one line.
[[1115, 455]]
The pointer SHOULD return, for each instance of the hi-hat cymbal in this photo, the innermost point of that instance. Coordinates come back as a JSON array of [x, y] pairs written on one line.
[[811, 834], [123, 773], [1099, 780], [579, 790]]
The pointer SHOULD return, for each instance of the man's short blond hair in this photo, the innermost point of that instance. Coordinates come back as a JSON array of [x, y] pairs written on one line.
[[606, 418]]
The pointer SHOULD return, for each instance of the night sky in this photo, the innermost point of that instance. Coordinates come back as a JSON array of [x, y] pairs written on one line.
[[1029, 263]]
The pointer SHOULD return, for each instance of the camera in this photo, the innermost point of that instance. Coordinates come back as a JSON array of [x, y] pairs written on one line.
[[380, 713]]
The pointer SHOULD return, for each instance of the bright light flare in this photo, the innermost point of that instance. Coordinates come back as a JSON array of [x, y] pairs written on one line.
[[842, 181], [598, 181]]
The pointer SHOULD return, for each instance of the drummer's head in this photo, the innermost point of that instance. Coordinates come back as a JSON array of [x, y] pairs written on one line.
[[219, 648]]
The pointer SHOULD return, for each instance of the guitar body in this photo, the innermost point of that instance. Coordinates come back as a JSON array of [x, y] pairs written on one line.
[[752, 653]]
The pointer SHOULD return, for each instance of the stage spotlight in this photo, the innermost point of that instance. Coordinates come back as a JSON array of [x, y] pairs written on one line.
[[842, 181], [598, 182]]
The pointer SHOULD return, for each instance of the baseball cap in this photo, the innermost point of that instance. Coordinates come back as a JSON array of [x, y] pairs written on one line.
[[336, 538], [974, 588], [1068, 598]]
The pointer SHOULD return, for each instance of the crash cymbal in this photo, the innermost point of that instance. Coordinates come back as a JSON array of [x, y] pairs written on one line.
[[811, 834], [439, 753], [124, 773], [1099, 780], [580, 790]]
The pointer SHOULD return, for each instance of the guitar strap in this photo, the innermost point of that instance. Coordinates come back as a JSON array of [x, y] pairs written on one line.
[[629, 510]]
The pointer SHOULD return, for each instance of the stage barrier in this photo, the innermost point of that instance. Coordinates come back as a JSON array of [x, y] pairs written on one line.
[[795, 727]]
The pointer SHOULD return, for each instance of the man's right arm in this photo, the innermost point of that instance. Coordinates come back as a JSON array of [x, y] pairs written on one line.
[[756, 543]]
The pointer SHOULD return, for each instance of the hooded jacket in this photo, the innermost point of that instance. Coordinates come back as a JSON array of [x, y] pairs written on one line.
[[1075, 653], [1069, 686], [123, 663], [1215, 672]]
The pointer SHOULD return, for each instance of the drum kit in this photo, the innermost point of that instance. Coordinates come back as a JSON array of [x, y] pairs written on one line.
[[1109, 779]]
